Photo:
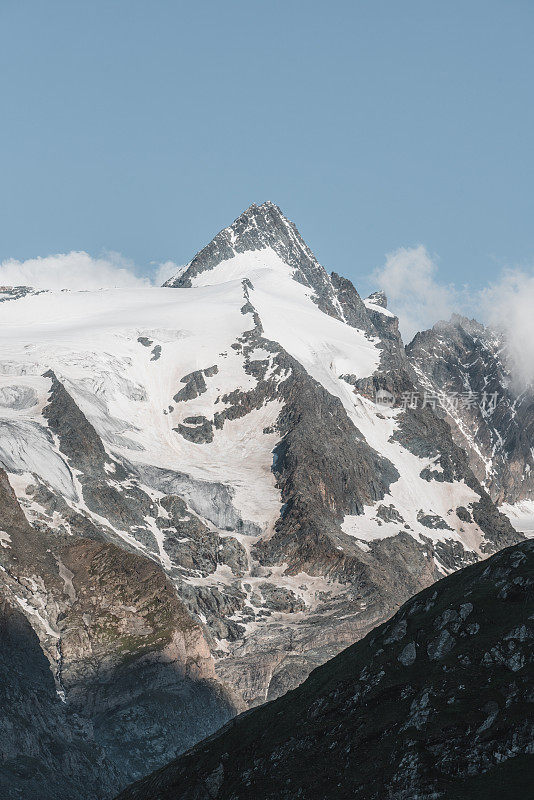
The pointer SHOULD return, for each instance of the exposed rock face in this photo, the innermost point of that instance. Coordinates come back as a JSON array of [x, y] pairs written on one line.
[[436, 703], [354, 311], [195, 384], [15, 292], [378, 299], [78, 439], [46, 750], [395, 373], [465, 363], [126, 672]]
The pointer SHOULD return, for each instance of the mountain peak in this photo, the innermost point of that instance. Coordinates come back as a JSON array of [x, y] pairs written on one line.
[[260, 227], [471, 325], [257, 228], [378, 299], [262, 224], [267, 205]]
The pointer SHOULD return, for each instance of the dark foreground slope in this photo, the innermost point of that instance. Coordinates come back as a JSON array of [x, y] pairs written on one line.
[[435, 703]]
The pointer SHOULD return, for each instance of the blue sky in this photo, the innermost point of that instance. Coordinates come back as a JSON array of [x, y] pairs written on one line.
[[145, 127]]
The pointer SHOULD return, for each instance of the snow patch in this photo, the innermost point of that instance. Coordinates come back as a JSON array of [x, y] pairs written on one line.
[[521, 516]]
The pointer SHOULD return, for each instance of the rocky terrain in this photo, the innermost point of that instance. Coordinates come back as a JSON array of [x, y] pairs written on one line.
[[490, 414], [203, 498], [103, 671], [435, 703]]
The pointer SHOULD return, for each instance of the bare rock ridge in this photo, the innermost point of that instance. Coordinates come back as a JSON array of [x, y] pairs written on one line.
[[378, 299], [437, 702]]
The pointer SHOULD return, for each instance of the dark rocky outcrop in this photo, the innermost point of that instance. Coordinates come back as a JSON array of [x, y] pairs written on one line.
[[78, 439], [354, 310], [195, 384], [437, 703], [196, 429]]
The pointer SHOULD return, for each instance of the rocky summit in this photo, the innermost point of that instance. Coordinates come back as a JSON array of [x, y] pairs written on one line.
[[212, 487]]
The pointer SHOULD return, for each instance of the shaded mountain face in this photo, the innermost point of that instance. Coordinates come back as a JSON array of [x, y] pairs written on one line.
[[465, 364], [435, 703], [220, 438], [103, 671]]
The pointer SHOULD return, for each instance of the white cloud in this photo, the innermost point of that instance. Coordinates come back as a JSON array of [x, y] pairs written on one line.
[[164, 271], [509, 304], [74, 270], [409, 279]]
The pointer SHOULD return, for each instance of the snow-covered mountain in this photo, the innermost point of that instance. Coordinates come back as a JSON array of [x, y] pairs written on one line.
[[225, 428]]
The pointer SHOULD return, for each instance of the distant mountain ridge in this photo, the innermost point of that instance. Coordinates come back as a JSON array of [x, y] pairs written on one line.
[[467, 363]]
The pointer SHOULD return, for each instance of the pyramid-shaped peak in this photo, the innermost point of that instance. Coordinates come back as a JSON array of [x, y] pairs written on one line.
[[259, 227], [267, 210], [262, 208], [268, 205], [269, 223]]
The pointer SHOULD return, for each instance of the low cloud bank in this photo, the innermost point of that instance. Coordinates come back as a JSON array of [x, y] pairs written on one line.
[[74, 270], [164, 271], [79, 270], [417, 296], [509, 305], [410, 280]]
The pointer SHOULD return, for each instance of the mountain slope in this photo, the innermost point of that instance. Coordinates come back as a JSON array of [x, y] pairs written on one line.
[[223, 431], [132, 678], [45, 751], [491, 417], [430, 704]]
